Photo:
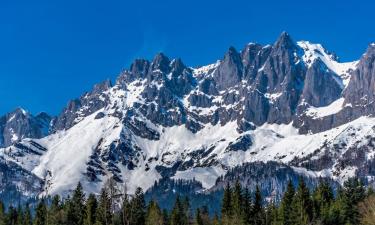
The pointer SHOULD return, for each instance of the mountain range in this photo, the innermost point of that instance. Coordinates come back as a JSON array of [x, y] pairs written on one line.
[[263, 115]]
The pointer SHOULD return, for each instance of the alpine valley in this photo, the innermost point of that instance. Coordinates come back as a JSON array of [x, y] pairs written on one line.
[[263, 115]]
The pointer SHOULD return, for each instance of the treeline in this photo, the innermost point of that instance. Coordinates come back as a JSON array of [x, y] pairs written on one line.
[[351, 205]]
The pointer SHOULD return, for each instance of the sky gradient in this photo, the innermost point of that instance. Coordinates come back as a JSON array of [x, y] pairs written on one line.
[[53, 51]]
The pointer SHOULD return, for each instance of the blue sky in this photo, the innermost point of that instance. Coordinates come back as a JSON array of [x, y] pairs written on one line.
[[53, 51]]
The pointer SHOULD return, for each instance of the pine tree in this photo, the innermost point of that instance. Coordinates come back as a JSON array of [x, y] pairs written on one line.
[[186, 210], [154, 216], [166, 217], [257, 209], [226, 209], [287, 215], [21, 216], [353, 193], [198, 218], [27, 218], [12, 217], [91, 207], [55, 214], [126, 210], [272, 216], [247, 210], [78, 206], [138, 207], [41, 213], [2, 213], [303, 203], [104, 214], [178, 216], [322, 200], [237, 207]]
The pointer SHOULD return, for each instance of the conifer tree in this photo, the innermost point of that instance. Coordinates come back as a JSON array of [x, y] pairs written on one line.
[[353, 193], [303, 203], [271, 217], [237, 207], [154, 216], [198, 217], [138, 207], [104, 214], [41, 213], [2, 213], [177, 211], [21, 216], [78, 205], [186, 210], [91, 207], [166, 217], [12, 217], [27, 218], [257, 209], [247, 210], [322, 199], [287, 215], [126, 210], [226, 208]]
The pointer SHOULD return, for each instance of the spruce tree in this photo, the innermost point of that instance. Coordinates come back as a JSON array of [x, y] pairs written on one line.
[[2, 213], [55, 214], [138, 207], [41, 213], [303, 203], [247, 207], [226, 208], [353, 193], [154, 216], [104, 214], [91, 207], [237, 207], [257, 209], [322, 200], [176, 214], [166, 217], [78, 205], [27, 216], [286, 214], [198, 218], [21, 216], [186, 210], [12, 217]]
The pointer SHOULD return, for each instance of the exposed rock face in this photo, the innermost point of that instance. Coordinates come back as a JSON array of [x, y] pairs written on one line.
[[20, 124], [229, 72], [361, 88], [82, 107], [322, 86]]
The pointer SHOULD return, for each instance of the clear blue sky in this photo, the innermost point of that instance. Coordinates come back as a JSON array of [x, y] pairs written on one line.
[[53, 51]]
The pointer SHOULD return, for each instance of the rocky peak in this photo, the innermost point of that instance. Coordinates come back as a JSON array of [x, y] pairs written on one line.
[[229, 72], [177, 66], [139, 68], [284, 42], [20, 124], [101, 87], [160, 62], [361, 88]]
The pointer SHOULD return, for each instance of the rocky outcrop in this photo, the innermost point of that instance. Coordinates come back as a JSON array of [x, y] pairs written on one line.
[[20, 124]]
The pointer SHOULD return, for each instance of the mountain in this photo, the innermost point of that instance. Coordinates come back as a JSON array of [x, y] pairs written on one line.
[[290, 103], [20, 124]]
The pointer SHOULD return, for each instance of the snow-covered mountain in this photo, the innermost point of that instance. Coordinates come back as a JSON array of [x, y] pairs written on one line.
[[292, 103]]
